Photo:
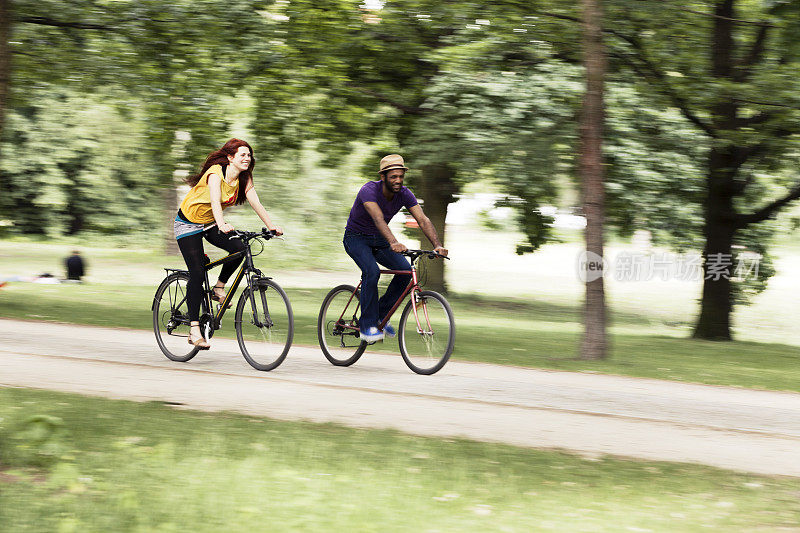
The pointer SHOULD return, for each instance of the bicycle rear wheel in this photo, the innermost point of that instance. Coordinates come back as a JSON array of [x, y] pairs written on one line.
[[264, 325], [171, 318], [427, 337], [337, 326]]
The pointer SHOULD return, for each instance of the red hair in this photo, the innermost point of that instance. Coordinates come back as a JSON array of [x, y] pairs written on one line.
[[220, 157]]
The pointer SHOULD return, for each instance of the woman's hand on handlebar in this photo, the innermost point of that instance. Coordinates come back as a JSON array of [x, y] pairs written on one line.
[[277, 230], [225, 227]]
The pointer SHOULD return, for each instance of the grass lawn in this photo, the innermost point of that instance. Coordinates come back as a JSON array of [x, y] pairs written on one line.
[[89, 464], [536, 332]]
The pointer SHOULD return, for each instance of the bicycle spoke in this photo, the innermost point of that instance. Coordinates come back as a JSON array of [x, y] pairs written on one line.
[[427, 333], [264, 326], [337, 326], [170, 319]]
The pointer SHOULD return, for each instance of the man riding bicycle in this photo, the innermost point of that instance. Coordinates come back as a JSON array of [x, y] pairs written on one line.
[[367, 239]]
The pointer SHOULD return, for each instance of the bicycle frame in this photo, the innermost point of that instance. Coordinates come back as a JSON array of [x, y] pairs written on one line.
[[264, 333], [248, 267], [413, 288]]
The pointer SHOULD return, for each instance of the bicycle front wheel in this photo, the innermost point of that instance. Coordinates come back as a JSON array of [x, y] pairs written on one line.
[[171, 318], [428, 335], [337, 326], [264, 324]]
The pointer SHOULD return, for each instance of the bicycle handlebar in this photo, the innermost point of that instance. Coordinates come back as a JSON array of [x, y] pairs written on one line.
[[249, 235], [430, 253]]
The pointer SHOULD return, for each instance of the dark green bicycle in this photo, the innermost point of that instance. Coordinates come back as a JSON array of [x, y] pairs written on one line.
[[264, 321]]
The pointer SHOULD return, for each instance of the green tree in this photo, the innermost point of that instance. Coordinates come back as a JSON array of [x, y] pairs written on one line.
[[425, 79], [169, 60], [708, 127], [742, 96], [76, 168]]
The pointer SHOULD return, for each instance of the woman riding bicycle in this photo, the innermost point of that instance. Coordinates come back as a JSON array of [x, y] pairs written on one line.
[[225, 179]]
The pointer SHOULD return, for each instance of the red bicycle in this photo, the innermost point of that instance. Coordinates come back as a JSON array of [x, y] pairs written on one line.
[[426, 331]]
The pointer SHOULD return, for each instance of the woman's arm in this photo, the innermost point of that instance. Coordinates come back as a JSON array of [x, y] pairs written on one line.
[[215, 191], [252, 199]]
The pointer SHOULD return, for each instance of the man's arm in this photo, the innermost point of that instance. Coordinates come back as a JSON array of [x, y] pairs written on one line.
[[427, 228], [377, 216]]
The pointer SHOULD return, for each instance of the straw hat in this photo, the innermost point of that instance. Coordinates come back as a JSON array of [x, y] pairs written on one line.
[[391, 162]]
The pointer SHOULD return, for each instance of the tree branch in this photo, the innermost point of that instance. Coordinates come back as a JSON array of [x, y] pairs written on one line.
[[45, 21], [739, 21], [765, 103], [648, 70], [769, 210], [757, 49], [745, 66], [763, 116], [760, 118], [739, 186], [410, 110]]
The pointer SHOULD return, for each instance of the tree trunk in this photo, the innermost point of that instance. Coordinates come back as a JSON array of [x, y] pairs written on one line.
[[716, 305], [170, 203], [724, 161], [594, 345], [437, 188], [163, 164], [5, 59]]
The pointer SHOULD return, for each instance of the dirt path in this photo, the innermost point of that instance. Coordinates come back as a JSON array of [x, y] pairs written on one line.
[[591, 414]]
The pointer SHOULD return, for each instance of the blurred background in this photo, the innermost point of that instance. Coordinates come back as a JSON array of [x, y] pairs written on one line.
[[106, 106]]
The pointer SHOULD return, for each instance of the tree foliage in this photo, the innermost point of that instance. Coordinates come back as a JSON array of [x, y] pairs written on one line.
[[701, 140], [741, 96], [168, 65], [74, 165]]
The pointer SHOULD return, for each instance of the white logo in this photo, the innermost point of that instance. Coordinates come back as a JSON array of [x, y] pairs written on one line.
[[591, 266]]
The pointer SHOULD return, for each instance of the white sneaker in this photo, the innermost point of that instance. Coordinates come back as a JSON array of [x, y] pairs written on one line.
[[389, 331], [373, 334]]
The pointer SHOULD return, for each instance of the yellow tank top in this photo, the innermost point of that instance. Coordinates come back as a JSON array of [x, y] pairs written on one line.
[[196, 206]]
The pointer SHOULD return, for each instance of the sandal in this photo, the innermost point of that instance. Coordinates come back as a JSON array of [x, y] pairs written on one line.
[[199, 343], [217, 298]]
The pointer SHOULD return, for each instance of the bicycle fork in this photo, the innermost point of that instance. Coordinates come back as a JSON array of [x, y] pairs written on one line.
[[262, 293], [415, 302]]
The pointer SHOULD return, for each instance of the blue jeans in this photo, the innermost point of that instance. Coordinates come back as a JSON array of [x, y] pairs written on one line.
[[365, 251]]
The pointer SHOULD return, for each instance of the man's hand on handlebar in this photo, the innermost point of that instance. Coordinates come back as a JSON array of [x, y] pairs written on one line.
[[398, 247], [441, 250]]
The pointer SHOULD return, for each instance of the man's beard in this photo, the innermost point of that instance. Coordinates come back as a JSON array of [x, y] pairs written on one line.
[[389, 187]]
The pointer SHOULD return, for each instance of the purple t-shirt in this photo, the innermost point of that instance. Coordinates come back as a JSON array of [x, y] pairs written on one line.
[[372, 191]]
